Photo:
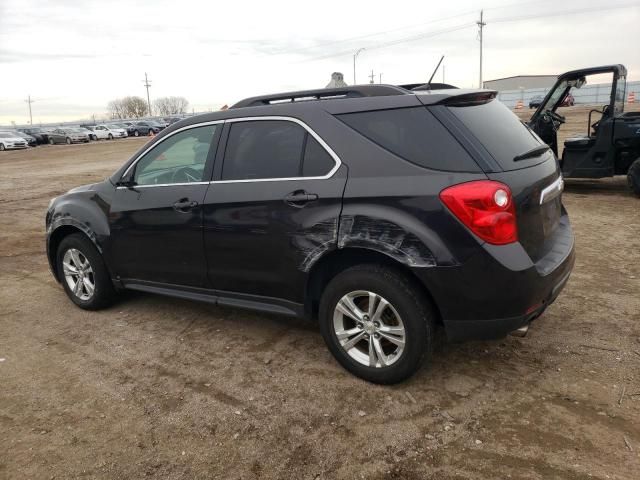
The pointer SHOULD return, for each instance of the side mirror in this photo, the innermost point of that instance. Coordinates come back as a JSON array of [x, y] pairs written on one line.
[[127, 183]]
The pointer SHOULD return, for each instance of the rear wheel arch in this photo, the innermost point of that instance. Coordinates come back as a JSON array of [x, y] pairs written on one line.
[[337, 261]]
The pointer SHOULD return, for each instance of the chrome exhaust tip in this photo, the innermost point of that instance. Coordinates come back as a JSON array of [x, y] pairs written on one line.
[[520, 332]]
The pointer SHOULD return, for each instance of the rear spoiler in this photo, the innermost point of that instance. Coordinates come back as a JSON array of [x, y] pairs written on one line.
[[469, 99]]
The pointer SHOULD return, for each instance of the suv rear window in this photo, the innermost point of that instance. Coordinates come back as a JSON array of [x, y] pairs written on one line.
[[413, 134], [500, 131]]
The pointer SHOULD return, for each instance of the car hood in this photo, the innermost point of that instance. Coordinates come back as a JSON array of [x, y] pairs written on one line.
[[84, 188], [12, 139]]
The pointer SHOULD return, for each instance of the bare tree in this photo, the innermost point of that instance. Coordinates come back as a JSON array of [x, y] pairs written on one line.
[[135, 106], [128, 107], [171, 105], [116, 109]]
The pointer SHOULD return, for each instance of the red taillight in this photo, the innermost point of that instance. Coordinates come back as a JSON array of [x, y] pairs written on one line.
[[486, 208]]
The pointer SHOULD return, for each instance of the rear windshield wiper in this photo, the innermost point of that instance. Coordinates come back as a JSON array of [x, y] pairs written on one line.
[[534, 152]]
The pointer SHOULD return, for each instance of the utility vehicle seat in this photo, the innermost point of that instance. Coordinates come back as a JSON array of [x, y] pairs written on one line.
[[579, 142]]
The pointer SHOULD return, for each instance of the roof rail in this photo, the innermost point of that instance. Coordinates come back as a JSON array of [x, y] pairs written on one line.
[[355, 91]]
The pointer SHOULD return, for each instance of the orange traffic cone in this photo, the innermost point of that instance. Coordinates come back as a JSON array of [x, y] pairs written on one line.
[[632, 97], [519, 105]]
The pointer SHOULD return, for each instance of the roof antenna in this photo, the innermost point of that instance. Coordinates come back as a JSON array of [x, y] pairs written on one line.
[[434, 73]]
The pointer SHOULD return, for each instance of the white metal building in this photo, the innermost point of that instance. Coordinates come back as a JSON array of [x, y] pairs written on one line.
[[520, 82]]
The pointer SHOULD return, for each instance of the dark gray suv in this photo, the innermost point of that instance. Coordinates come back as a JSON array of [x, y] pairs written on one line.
[[380, 212]]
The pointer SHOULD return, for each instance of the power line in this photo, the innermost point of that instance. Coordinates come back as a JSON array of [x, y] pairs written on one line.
[[398, 41], [465, 25], [565, 12]]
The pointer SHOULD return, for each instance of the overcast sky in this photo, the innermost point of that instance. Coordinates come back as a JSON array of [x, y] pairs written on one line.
[[72, 57]]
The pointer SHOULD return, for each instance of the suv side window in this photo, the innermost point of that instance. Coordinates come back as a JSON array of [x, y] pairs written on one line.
[[263, 149], [181, 158], [316, 161], [413, 134]]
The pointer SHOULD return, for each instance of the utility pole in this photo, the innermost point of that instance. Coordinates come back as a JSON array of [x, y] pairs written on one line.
[[481, 24], [147, 84], [355, 55], [443, 74], [29, 101], [371, 77], [380, 78]]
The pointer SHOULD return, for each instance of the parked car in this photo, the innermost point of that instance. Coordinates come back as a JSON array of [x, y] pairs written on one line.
[[378, 211], [128, 128], [68, 136], [171, 120], [11, 141], [536, 101], [106, 132], [145, 128], [39, 134], [31, 141]]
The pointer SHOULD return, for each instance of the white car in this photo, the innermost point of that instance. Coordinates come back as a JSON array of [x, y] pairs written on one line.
[[105, 132], [9, 141]]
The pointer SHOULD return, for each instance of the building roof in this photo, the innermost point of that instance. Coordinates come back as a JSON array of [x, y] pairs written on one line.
[[519, 76]]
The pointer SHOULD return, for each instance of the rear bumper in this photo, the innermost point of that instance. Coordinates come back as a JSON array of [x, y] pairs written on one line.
[[499, 289]]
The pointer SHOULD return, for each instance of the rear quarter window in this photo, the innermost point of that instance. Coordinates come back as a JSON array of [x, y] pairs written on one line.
[[413, 134]]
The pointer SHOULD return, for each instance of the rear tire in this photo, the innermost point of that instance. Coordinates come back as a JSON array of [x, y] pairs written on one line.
[[68, 141], [406, 312], [110, 137], [136, 133], [78, 254], [633, 177], [51, 141]]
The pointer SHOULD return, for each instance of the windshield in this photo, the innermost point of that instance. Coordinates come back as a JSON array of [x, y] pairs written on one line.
[[621, 86], [555, 96]]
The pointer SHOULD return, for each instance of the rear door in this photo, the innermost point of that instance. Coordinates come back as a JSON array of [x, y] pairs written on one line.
[[156, 222], [524, 163], [272, 208]]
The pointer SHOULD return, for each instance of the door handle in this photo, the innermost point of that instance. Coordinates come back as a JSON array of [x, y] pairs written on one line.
[[299, 198], [184, 205]]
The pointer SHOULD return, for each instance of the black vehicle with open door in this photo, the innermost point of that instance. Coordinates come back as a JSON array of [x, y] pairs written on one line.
[[611, 144]]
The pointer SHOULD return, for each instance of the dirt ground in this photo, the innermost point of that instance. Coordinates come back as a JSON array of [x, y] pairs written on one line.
[[162, 388]]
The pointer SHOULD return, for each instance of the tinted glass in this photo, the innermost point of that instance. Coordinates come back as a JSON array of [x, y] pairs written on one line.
[[263, 149], [316, 162], [500, 131], [413, 134], [181, 158]]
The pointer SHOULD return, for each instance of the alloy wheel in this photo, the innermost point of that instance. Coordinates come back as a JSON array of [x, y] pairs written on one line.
[[78, 274], [369, 329]]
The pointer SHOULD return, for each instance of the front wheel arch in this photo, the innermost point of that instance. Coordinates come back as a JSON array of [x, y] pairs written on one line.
[[59, 234]]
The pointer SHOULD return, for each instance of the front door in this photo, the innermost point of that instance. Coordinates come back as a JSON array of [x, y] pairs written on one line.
[[156, 215], [272, 209]]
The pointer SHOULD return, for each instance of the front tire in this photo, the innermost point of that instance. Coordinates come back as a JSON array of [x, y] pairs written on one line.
[[136, 133], [110, 137], [376, 323], [51, 141], [68, 141], [2, 147], [633, 177], [83, 274]]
